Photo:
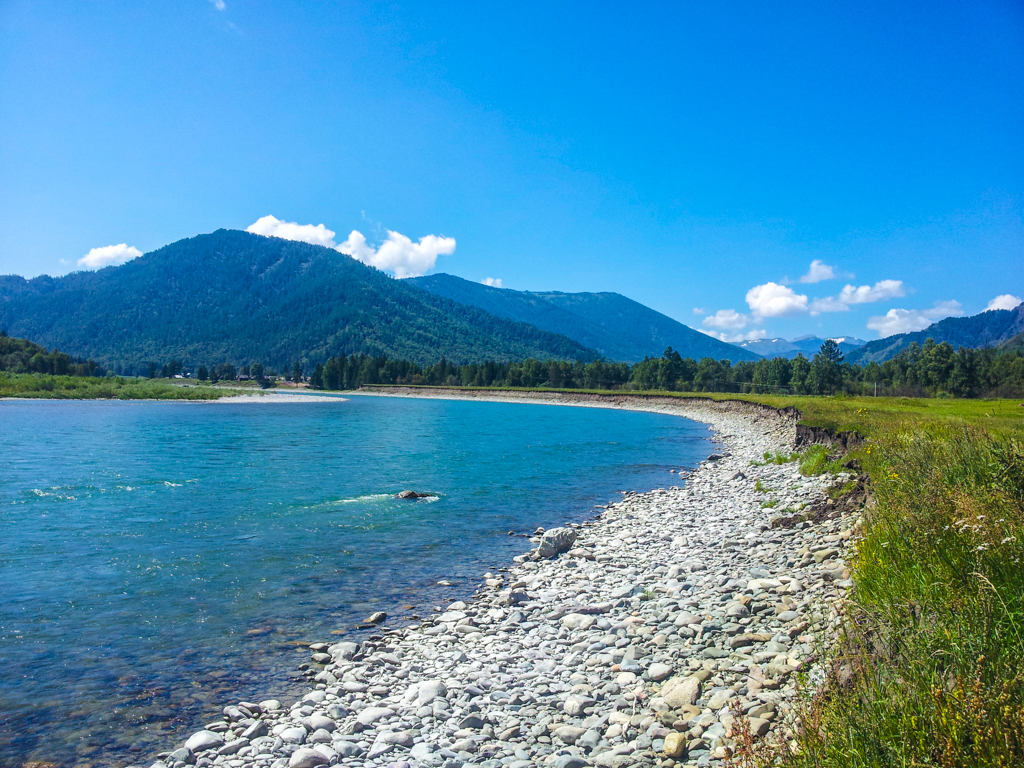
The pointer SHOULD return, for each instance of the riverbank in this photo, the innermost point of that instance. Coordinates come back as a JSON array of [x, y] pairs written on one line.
[[32, 386], [668, 616]]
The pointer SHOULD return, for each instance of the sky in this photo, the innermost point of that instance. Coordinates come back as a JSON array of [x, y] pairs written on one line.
[[751, 170]]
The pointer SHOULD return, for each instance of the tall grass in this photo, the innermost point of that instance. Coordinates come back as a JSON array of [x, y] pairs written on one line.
[[930, 670]]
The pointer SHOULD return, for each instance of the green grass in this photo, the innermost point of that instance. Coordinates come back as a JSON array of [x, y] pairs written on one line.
[[930, 670], [818, 459], [776, 458], [41, 386]]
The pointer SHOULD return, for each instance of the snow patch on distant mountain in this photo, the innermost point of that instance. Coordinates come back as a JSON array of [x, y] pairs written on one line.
[[803, 345]]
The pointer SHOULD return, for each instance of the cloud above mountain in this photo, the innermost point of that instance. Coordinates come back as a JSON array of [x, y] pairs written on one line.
[[733, 338], [774, 300], [1005, 301], [109, 255], [726, 319], [865, 294], [494, 282], [398, 254], [909, 320], [779, 300], [270, 226]]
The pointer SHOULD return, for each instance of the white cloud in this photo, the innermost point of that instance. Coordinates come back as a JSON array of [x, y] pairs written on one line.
[[270, 226], [218, 4], [699, 311], [865, 294], [733, 338], [109, 255], [818, 272], [728, 319], [398, 253], [494, 282], [883, 289], [1006, 301], [774, 300], [828, 304], [908, 320]]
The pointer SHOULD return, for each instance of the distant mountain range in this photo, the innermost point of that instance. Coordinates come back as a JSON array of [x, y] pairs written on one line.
[[988, 329], [237, 297], [617, 327], [807, 346]]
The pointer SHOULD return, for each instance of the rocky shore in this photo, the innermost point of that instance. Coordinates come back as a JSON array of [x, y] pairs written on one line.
[[673, 626]]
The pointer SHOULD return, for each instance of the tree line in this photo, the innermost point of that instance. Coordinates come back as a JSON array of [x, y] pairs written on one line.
[[919, 371], [24, 356]]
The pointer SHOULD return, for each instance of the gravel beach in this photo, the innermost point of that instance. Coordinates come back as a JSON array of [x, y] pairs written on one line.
[[276, 397], [635, 638]]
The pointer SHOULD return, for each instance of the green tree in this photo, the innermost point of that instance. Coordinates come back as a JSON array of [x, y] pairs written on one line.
[[826, 368]]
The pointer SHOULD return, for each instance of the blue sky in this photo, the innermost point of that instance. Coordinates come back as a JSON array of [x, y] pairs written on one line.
[[691, 156]]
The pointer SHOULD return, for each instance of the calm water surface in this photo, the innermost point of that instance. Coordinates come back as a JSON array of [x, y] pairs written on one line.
[[161, 560]]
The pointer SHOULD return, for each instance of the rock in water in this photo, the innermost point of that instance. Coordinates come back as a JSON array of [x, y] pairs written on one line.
[[412, 495], [556, 541], [376, 618]]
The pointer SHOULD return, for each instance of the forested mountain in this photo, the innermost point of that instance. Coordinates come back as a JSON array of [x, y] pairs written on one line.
[[805, 345], [987, 329], [619, 328], [236, 297]]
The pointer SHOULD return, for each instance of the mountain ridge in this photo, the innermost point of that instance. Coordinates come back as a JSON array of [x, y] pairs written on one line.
[[616, 326], [807, 346], [986, 329], [232, 296]]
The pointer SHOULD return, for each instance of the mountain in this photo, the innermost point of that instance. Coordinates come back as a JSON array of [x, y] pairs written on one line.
[[807, 346], [1014, 342], [237, 297], [988, 329], [619, 328]]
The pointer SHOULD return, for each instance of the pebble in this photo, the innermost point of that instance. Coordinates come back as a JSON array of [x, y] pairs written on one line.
[[628, 640]]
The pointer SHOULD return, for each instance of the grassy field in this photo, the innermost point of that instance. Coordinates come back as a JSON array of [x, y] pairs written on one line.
[[41, 386], [879, 415], [930, 667]]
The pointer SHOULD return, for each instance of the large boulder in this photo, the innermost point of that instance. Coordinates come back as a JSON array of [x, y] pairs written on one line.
[[343, 650], [430, 690], [556, 541], [680, 691], [202, 740], [307, 758]]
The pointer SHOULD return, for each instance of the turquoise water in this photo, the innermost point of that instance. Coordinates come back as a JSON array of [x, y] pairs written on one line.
[[161, 560]]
